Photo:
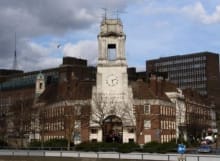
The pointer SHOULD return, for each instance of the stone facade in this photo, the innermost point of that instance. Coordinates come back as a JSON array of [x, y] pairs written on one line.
[[112, 95]]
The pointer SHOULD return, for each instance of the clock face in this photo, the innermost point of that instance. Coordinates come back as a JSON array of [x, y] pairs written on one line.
[[112, 80]]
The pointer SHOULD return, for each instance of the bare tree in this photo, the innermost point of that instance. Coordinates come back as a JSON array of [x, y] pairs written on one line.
[[41, 124], [3, 126], [65, 117], [70, 118], [21, 111], [140, 121]]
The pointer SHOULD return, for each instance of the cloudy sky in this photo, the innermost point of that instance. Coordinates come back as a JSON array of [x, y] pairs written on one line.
[[154, 28]]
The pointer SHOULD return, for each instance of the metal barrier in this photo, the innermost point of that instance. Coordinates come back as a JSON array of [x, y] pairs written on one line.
[[111, 155], [182, 157]]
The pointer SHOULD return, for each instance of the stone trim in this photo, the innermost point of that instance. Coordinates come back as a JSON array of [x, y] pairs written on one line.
[[153, 102]]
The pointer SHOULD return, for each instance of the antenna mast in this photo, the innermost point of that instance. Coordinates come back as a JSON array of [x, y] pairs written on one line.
[[105, 13], [118, 12], [15, 55]]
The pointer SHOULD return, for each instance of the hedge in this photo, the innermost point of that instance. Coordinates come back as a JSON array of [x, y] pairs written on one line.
[[3, 143], [49, 143], [155, 147], [102, 146]]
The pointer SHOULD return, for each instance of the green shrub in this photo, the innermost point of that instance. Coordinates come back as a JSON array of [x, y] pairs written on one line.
[[171, 145], [155, 147], [96, 146], [56, 143], [34, 144], [3, 143], [86, 146], [102, 146], [168, 147], [49, 143], [151, 147], [128, 147]]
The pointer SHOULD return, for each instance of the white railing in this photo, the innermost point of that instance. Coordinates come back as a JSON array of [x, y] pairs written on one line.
[[113, 155]]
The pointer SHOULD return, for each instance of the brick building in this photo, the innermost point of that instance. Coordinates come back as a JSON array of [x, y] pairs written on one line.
[[198, 71], [155, 113], [81, 103], [20, 92], [199, 114]]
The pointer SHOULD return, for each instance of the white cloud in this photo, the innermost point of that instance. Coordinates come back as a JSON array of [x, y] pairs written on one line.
[[33, 56], [32, 20], [198, 12], [86, 49]]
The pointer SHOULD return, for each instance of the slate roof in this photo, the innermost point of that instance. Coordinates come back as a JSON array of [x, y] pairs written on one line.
[[143, 90], [74, 90], [192, 95]]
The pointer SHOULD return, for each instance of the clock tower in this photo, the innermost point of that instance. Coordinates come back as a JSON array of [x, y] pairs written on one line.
[[112, 96], [112, 66]]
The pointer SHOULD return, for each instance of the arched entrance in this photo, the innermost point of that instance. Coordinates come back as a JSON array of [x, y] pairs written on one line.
[[112, 129]]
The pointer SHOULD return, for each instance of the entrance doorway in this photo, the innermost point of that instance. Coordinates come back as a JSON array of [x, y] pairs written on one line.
[[112, 129]]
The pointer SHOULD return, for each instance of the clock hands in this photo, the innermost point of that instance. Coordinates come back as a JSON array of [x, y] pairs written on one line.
[[112, 80]]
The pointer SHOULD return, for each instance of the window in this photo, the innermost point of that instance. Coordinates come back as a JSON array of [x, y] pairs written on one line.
[[111, 51], [162, 124], [94, 131], [41, 85], [78, 111], [77, 124], [147, 109], [147, 138], [147, 124], [131, 130]]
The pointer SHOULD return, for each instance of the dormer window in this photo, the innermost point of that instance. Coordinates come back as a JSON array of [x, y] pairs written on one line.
[[111, 52]]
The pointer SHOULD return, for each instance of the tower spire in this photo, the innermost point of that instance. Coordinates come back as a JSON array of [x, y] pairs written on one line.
[[15, 55]]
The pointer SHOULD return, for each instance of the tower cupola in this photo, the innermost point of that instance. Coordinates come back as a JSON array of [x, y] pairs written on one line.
[[111, 43], [40, 84]]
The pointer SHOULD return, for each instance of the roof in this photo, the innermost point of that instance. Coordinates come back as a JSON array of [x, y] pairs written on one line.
[[196, 97], [181, 56], [143, 90], [74, 90], [169, 87]]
